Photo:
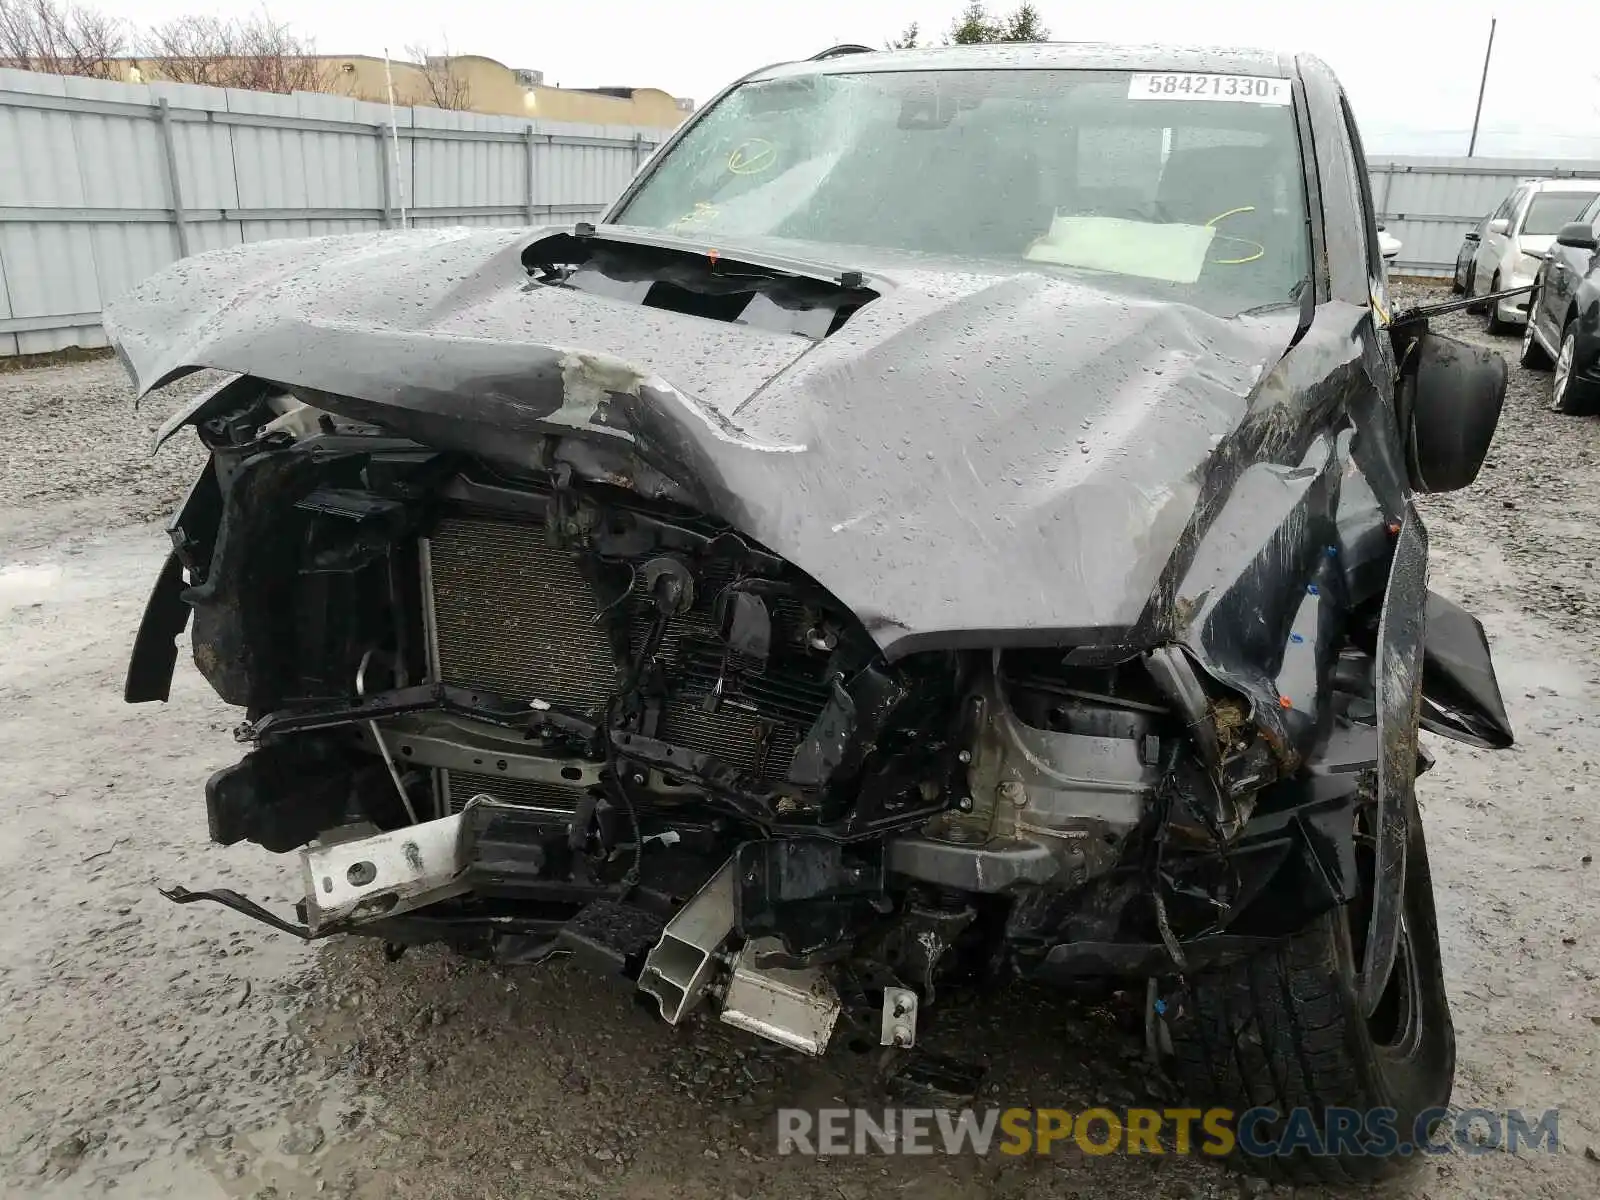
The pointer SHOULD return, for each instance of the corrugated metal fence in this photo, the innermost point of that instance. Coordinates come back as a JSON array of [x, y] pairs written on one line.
[[103, 183], [1429, 203]]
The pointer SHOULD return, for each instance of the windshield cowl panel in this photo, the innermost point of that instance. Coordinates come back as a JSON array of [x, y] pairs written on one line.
[[1184, 185]]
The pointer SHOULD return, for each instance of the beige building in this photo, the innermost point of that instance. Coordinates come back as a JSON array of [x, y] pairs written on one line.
[[477, 84], [472, 83]]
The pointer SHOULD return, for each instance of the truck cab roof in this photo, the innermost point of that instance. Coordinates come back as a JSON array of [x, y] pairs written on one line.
[[1061, 56]]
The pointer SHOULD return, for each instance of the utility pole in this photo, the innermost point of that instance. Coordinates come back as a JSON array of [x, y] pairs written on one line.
[[394, 130], [1482, 83]]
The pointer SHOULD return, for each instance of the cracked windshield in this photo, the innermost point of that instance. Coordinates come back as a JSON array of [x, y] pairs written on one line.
[[1194, 193]]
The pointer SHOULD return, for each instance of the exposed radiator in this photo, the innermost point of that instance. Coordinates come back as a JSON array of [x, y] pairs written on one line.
[[461, 786], [511, 615]]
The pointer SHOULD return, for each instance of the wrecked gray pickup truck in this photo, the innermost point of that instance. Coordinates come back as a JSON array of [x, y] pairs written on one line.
[[951, 520]]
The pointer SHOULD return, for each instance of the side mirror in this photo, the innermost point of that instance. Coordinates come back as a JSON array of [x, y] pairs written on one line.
[[1579, 235], [1449, 407], [1499, 225]]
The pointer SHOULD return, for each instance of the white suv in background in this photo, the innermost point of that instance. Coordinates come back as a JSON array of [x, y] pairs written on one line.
[[1515, 239]]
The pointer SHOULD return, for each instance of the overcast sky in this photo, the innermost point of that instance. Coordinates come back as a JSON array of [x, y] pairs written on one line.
[[1411, 69]]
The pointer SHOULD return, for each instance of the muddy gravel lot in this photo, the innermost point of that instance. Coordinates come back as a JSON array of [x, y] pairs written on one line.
[[152, 1050]]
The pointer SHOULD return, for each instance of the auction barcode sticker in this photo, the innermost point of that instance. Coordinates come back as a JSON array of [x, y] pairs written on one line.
[[1176, 85]]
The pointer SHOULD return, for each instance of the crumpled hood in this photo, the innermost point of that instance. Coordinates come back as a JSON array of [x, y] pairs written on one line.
[[975, 453]]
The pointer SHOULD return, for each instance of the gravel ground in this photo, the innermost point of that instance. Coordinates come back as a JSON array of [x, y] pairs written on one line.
[[77, 452], [150, 1050]]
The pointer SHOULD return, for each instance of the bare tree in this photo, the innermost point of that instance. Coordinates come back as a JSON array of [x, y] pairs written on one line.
[[273, 58], [60, 39], [258, 54], [193, 49], [447, 86]]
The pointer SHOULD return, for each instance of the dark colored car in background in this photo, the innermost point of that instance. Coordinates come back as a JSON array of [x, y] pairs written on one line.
[[1464, 256], [951, 521], [1563, 328]]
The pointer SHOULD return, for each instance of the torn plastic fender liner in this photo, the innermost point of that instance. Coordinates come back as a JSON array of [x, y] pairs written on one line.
[[1398, 687], [233, 392], [1460, 692], [166, 612], [280, 796], [242, 609], [155, 649]]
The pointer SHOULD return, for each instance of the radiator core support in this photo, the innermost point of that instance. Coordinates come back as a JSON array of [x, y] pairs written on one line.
[[506, 612]]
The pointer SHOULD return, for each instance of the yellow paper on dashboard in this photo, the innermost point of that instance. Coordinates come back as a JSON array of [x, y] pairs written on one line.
[[1172, 252]]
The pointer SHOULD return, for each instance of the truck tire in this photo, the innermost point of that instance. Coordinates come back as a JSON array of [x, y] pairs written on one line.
[[1283, 1031]]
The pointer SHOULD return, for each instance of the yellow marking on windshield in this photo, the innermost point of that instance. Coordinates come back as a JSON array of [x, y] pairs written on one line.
[[752, 157], [1261, 250], [703, 210]]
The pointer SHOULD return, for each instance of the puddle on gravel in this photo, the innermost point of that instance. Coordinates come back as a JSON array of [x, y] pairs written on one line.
[[23, 583], [320, 1147]]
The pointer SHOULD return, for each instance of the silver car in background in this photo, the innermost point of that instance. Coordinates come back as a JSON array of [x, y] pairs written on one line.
[[1515, 238]]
